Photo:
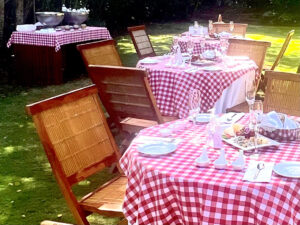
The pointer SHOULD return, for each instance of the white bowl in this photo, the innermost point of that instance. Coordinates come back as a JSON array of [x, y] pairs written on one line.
[[26, 27], [165, 132]]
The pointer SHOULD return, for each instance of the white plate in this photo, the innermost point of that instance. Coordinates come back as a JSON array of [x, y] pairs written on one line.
[[288, 169], [203, 63], [212, 68], [201, 118], [270, 143], [158, 148]]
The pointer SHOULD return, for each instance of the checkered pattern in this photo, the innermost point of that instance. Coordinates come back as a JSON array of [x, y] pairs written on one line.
[[201, 46], [170, 189], [59, 38], [171, 86]]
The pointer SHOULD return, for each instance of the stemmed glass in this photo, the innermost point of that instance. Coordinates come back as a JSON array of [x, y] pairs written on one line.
[[231, 26], [175, 44], [223, 45], [257, 108], [250, 88], [210, 26], [190, 47], [194, 103]]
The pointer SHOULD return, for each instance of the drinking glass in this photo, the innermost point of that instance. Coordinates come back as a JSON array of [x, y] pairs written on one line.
[[257, 109], [194, 103], [231, 26], [175, 44], [190, 47], [210, 26], [250, 88], [223, 45]]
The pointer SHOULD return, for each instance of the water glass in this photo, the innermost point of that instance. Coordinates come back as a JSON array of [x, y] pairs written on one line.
[[194, 103], [210, 26], [250, 89], [231, 26], [190, 47], [257, 110]]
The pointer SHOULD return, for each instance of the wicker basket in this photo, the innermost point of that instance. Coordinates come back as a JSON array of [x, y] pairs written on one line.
[[281, 134]]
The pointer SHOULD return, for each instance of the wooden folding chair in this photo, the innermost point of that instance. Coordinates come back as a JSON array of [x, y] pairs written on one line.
[[282, 92], [239, 28], [141, 41], [255, 50], [78, 144], [282, 50], [126, 94], [100, 53]]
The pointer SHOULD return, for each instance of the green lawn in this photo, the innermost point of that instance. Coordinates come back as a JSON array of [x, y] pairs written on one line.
[[28, 191]]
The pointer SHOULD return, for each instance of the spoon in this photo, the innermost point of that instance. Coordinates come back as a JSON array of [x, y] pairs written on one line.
[[230, 118], [260, 167]]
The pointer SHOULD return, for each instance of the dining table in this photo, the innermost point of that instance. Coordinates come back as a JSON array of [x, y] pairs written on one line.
[[49, 56], [172, 189], [222, 84], [201, 43]]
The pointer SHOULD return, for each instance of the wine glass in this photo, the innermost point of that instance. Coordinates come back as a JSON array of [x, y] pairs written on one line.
[[257, 109], [231, 26], [250, 88], [175, 44], [223, 45], [190, 47], [194, 103], [210, 26]]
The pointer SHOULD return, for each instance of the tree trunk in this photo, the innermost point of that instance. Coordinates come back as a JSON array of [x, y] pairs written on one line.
[[19, 12], [1, 21]]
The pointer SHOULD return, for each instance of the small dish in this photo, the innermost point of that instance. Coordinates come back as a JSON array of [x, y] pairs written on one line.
[[157, 148]]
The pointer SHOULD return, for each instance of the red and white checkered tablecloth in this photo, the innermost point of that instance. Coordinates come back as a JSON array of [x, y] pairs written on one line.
[[201, 44], [59, 38], [171, 86], [170, 189]]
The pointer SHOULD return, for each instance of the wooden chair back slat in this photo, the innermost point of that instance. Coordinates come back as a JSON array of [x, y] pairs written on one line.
[[283, 48], [282, 93], [100, 53], [75, 135], [141, 41], [255, 50], [239, 28], [125, 92]]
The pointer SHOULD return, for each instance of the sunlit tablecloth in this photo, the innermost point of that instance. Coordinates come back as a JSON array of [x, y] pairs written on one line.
[[170, 189], [222, 89], [59, 38]]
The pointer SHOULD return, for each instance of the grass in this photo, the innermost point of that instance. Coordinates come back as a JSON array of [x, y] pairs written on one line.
[[29, 193]]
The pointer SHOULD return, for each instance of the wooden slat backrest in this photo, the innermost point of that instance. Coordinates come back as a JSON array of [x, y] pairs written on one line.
[[283, 48], [74, 133], [239, 28], [125, 92], [100, 53], [282, 92], [141, 41], [255, 50]]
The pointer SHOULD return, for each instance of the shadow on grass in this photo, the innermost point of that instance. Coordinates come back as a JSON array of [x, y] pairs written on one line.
[[28, 190]]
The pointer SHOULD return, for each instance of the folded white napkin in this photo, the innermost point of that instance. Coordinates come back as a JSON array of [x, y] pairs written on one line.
[[263, 176], [274, 120], [231, 117], [209, 54]]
